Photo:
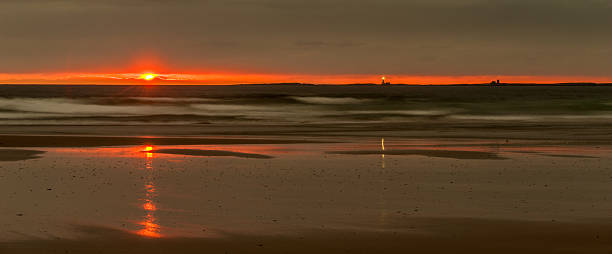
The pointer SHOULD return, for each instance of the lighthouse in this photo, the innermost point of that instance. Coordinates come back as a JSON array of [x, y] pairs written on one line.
[[384, 81]]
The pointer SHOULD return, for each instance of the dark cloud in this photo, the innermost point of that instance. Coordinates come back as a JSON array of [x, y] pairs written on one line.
[[433, 37]]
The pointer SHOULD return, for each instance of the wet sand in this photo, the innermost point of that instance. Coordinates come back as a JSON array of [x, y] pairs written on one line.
[[560, 132], [454, 154], [304, 194], [196, 152], [559, 155], [18, 155], [421, 235]]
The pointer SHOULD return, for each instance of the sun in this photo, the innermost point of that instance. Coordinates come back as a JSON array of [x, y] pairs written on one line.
[[148, 76]]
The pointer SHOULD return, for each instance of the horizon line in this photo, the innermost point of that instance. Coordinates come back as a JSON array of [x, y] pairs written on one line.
[[581, 83], [224, 78]]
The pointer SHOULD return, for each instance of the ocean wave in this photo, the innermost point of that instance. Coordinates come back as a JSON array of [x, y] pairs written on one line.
[[67, 109], [532, 117], [23, 115], [329, 100], [95, 122], [231, 108], [81, 107], [281, 109], [270, 112], [404, 112], [170, 100]]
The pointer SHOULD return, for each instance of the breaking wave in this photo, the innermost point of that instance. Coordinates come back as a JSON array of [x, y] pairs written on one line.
[[80, 107], [296, 105], [330, 100]]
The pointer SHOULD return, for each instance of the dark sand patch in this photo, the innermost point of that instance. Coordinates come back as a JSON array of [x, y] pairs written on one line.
[[558, 155], [525, 152], [453, 154], [94, 141], [417, 235], [198, 152], [19, 155], [570, 156]]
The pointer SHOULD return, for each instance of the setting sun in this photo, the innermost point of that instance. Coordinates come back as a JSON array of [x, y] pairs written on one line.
[[148, 76]]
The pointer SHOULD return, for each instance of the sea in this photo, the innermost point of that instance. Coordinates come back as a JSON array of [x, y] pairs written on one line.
[[298, 104]]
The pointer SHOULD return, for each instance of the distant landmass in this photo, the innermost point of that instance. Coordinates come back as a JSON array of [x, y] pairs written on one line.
[[310, 84], [483, 84]]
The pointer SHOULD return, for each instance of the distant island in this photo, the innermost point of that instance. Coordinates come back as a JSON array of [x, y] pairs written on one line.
[[392, 85]]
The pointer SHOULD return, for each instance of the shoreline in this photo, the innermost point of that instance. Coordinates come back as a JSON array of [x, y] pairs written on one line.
[[570, 132], [98, 141]]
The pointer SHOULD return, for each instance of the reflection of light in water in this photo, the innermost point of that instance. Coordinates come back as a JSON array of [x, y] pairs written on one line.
[[382, 144], [150, 227], [149, 155], [382, 219], [149, 206]]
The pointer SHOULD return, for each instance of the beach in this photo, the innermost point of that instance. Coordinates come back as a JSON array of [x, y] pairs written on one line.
[[303, 170], [297, 126]]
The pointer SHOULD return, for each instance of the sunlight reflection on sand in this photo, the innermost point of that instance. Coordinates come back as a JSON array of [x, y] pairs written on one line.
[[149, 222]]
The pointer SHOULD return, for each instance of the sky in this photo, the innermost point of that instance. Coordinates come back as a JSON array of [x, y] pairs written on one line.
[[313, 41]]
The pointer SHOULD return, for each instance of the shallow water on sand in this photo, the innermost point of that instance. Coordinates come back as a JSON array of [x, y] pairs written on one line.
[[362, 184]]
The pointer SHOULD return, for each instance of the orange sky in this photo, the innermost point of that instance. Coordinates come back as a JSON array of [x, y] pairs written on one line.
[[340, 41], [240, 78]]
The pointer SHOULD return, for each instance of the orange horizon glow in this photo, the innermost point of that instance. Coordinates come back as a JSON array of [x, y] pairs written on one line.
[[224, 78]]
